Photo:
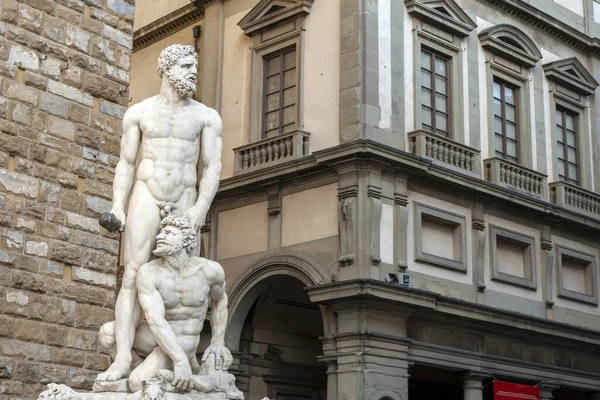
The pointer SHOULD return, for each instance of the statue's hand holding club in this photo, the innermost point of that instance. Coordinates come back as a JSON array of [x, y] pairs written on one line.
[[113, 221]]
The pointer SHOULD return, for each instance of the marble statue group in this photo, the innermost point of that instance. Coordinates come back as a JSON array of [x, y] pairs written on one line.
[[166, 289]]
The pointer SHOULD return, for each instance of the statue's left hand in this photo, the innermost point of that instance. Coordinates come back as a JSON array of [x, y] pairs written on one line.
[[223, 357], [196, 217]]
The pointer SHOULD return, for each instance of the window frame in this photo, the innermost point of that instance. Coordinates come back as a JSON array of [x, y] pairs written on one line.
[[450, 50], [271, 40], [449, 98], [576, 116], [517, 122], [499, 69], [525, 241], [280, 54], [559, 100]]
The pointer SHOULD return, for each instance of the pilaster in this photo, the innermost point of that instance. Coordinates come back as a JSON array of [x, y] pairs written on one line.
[[359, 75], [359, 218], [401, 221], [275, 220], [368, 357], [547, 263], [479, 240]]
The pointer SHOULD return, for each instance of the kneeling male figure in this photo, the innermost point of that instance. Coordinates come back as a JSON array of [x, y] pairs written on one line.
[[175, 292]]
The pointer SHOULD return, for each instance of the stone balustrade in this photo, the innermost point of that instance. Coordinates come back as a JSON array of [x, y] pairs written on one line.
[[271, 151], [566, 195], [506, 173], [447, 151]]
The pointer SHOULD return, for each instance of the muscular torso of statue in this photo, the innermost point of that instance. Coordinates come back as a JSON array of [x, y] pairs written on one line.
[[170, 148], [186, 301]]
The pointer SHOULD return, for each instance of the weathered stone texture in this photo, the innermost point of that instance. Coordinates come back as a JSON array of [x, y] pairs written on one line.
[[64, 76]]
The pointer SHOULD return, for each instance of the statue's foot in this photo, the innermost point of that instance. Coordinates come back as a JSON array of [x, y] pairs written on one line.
[[115, 372]]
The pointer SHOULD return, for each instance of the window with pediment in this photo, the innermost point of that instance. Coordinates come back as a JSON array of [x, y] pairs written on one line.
[[276, 27], [439, 26], [510, 57], [570, 87]]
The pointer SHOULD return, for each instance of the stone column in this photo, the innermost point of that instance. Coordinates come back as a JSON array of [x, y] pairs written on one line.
[[473, 384], [546, 389]]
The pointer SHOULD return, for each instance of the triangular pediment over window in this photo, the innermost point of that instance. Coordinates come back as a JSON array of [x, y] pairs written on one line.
[[511, 43], [570, 73], [270, 12], [444, 14]]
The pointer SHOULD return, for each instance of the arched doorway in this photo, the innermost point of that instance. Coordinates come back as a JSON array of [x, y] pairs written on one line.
[[274, 332]]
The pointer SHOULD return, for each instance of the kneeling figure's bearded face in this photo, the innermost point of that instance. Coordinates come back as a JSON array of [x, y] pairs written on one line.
[[169, 241]]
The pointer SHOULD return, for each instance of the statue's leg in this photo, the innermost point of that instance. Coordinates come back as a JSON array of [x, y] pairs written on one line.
[[148, 369], [139, 239]]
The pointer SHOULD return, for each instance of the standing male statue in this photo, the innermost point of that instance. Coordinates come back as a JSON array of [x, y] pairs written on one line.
[[168, 131]]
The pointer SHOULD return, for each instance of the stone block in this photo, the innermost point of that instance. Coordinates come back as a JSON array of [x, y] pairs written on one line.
[[100, 261], [6, 325], [122, 8], [87, 63], [49, 192], [39, 352], [51, 67], [53, 269], [117, 386], [81, 167], [112, 109], [50, 373], [9, 11], [89, 137], [12, 239], [26, 371], [96, 188], [19, 113], [98, 243], [73, 76], [111, 145], [97, 206], [37, 153], [92, 25], [35, 210], [13, 348], [67, 356], [85, 223], [26, 225], [124, 58], [101, 87], [19, 184], [82, 340], [105, 17], [85, 293], [70, 200], [39, 249], [52, 309], [28, 281], [29, 331], [6, 367], [104, 50], [55, 30], [96, 362], [78, 38], [70, 93], [27, 263], [31, 19], [118, 37], [56, 335], [92, 317], [94, 277], [46, 6], [16, 302], [65, 253], [115, 74], [23, 93], [6, 219], [53, 104], [78, 113]]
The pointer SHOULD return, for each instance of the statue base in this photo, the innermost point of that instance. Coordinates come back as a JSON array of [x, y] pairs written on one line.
[[63, 392]]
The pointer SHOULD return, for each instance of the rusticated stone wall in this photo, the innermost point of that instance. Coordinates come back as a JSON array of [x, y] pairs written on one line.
[[64, 74]]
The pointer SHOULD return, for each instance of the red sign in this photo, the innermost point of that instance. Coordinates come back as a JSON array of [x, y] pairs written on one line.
[[513, 391]]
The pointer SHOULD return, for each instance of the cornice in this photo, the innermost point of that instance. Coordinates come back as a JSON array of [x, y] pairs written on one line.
[[169, 24], [369, 290], [560, 31]]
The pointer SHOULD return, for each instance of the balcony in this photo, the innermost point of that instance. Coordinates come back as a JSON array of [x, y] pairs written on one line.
[[514, 176], [271, 151], [569, 196], [455, 155]]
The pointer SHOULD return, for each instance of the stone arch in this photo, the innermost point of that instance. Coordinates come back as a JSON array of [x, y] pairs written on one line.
[[255, 279], [511, 43], [387, 395]]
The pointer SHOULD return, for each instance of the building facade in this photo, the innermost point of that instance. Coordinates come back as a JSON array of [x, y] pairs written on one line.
[[409, 205]]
